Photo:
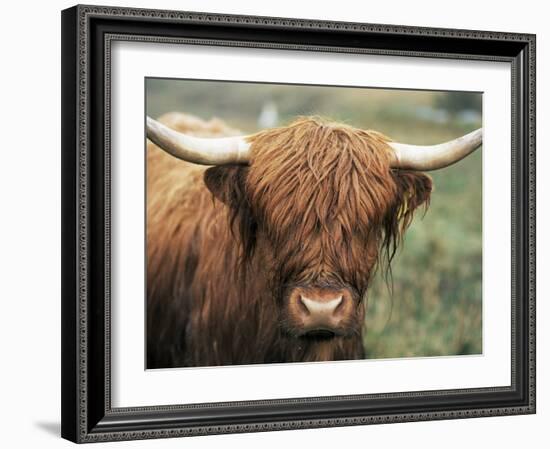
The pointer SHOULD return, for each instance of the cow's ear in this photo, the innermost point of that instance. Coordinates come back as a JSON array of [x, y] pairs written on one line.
[[413, 190], [227, 183]]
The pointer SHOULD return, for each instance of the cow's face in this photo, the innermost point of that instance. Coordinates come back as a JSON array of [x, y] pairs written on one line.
[[314, 210]]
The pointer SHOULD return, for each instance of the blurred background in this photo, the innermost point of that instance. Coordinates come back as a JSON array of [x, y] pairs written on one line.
[[433, 304]]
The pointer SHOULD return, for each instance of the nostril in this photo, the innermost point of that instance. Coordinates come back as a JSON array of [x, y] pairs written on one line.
[[338, 305], [302, 305]]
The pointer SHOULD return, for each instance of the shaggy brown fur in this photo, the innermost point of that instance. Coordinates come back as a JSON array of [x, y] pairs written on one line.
[[227, 244]]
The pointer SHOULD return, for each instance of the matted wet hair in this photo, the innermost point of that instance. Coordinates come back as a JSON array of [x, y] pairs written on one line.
[[319, 178]]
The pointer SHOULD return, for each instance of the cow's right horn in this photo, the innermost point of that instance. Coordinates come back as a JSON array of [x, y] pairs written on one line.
[[433, 157], [199, 150]]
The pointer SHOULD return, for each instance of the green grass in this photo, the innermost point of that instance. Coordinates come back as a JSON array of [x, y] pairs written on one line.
[[436, 305], [433, 305]]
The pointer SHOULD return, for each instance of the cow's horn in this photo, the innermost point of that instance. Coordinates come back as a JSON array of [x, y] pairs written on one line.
[[433, 157], [199, 150]]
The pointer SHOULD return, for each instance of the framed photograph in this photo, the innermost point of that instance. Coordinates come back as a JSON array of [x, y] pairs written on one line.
[[276, 224]]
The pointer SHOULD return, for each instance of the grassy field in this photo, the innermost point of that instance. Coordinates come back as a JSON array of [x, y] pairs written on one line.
[[432, 305]]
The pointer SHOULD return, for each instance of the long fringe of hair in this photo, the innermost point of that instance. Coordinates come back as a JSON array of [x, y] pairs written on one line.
[[315, 175]]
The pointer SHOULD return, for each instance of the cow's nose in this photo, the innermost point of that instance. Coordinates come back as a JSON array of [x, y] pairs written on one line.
[[315, 310], [320, 309]]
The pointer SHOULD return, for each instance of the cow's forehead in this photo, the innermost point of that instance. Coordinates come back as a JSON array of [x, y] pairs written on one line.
[[316, 173]]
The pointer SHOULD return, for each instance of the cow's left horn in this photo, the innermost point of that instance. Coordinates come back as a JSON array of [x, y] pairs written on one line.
[[433, 157], [199, 150]]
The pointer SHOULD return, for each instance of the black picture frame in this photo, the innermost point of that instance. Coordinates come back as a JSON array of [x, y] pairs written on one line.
[[87, 414]]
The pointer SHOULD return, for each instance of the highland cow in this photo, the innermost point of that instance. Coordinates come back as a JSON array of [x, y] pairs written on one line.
[[266, 255]]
